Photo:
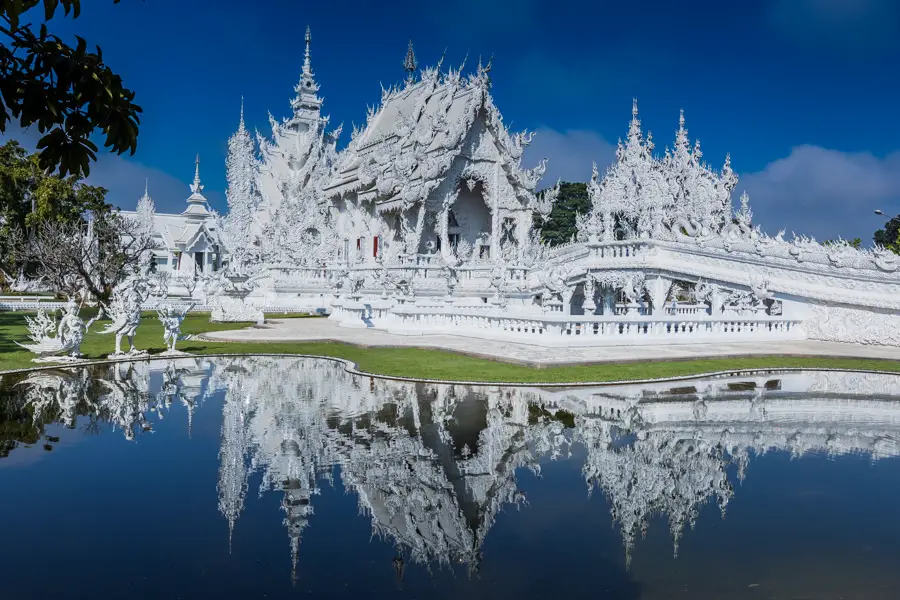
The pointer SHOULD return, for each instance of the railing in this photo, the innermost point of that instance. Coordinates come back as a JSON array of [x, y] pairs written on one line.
[[566, 330], [153, 305]]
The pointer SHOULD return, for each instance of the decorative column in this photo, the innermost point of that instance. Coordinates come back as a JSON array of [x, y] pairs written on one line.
[[443, 230], [589, 305], [567, 301], [608, 225], [495, 213]]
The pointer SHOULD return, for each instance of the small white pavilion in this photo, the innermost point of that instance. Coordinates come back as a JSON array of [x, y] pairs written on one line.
[[187, 242]]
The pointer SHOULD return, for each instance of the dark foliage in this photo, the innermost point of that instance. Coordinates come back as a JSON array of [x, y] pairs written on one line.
[[560, 226], [67, 93]]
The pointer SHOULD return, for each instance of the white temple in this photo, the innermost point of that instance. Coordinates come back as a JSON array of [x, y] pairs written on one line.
[[187, 243], [424, 224]]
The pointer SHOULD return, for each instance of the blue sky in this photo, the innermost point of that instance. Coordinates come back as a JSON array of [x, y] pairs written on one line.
[[805, 94]]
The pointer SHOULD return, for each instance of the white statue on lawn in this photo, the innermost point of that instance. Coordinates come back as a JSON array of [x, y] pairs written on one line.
[[171, 319], [125, 309], [69, 334]]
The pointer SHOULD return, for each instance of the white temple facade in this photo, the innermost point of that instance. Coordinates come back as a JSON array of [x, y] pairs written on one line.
[[187, 243], [424, 224]]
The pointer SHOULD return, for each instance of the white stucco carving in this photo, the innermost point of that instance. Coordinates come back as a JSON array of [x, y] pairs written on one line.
[[49, 339]]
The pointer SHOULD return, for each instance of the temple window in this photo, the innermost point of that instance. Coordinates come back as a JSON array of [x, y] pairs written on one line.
[[198, 260], [454, 240], [484, 252]]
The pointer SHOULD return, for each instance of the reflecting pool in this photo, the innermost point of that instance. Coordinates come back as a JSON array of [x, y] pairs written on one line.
[[289, 477]]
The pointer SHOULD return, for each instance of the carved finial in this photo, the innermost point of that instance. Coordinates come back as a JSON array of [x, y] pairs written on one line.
[[241, 124], [463, 65], [197, 187], [147, 187], [634, 129], [409, 64], [681, 119]]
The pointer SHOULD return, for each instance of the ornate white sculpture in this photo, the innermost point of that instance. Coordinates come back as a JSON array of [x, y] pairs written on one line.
[[171, 319], [23, 284], [229, 300], [128, 298], [238, 230], [64, 338]]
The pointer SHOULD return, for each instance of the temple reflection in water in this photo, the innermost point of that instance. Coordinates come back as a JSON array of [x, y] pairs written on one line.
[[432, 465]]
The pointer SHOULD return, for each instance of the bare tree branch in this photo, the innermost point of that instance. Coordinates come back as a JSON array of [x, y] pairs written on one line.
[[88, 260]]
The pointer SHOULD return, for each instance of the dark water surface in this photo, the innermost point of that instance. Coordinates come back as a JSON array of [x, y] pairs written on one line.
[[286, 478]]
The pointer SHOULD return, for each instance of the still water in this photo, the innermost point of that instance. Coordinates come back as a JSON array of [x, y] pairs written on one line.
[[284, 478]]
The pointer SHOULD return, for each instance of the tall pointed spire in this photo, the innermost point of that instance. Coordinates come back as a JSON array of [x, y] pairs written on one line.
[[306, 103], [634, 129], [197, 187], [307, 66], [409, 64], [146, 187], [241, 126], [682, 148]]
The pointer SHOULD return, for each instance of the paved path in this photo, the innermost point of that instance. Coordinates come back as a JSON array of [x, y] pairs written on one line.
[[319, 329]]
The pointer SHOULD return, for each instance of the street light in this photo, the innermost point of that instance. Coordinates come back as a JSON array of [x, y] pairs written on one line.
[[878, 212]]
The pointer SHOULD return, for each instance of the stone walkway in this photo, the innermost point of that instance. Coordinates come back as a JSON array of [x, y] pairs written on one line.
[[305, 330]]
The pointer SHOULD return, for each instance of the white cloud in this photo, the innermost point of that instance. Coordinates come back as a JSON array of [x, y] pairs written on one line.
[[825, 193], [124, 178], [570, 154]]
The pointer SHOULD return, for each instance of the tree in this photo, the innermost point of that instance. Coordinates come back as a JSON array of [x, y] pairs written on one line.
[[88, 258], [560, 225], [889, 237], [28, 197], [68, 93]]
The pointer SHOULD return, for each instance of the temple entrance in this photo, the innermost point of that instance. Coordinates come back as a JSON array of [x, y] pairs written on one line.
[[469, 222]]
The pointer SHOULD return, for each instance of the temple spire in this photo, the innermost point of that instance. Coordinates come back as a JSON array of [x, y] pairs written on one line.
[[241, 124], [307, 66], [146, 187], [634, 129], [306, 103], [197, 187], [409, 64], [682, 148]]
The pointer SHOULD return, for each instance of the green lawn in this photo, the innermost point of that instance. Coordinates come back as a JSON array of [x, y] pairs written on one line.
[[413, 362]]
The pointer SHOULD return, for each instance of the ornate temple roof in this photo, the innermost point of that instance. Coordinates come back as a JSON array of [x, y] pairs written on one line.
[[410, 142], [182, 231]]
